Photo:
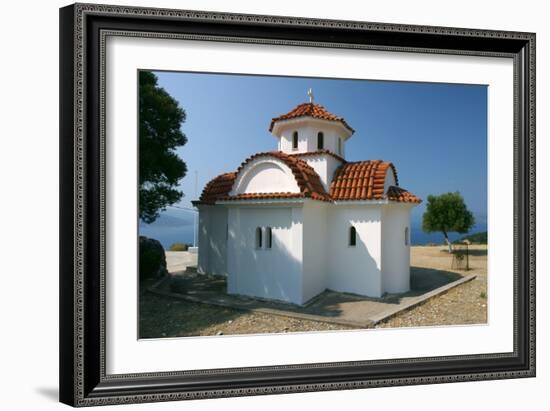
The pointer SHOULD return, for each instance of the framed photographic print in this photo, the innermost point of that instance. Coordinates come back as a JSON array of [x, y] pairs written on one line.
[[262, 204]]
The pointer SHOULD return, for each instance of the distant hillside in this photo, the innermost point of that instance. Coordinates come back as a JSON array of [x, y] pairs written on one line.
[[419, 237], [477, 238], [173, 226]]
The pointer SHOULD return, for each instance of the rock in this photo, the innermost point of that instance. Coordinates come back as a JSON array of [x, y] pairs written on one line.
[[152, 260], [219, 333]]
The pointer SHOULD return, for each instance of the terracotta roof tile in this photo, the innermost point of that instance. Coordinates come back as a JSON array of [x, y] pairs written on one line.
[[218, 187], [399, 194], [310, 110], [360, 181], [261, 196], [352, 181], [307, 179]]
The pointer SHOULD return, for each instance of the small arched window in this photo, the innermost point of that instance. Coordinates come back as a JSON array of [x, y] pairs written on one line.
[[268, 237], [352, 236], [295, 140], [258, 237], [406, 235], [320, 140]]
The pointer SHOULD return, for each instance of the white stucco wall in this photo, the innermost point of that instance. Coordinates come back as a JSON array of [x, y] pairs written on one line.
[[315, 249], [310, 249], [268, 273], [355, 269], [212, 257], [308, 129], [395, 252], [265, 175], [325, 165], [202, 259]]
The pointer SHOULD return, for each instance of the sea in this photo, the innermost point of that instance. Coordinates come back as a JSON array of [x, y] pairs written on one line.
[[178, 226]]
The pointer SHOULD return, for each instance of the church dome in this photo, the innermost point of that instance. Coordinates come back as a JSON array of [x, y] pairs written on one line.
[[312, 110]]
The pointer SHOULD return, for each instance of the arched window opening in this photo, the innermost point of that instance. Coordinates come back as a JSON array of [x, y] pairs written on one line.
[[295, 140], [268, 237], [320, 140], [352, 236], [407, 240], [259, 237]]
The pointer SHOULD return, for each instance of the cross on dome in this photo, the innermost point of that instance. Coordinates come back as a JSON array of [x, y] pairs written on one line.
[[310, 95]]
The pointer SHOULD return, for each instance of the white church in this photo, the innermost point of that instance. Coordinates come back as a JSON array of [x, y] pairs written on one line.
[[293, 222]]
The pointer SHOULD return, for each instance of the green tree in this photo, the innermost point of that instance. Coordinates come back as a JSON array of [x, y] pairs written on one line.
[[160, 168], [447, 213]]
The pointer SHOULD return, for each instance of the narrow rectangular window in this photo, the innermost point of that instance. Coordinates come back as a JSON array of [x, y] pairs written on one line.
[[407, 236], [295, 140], [269, 237], [259, 237], [320, 141], [352, 236]]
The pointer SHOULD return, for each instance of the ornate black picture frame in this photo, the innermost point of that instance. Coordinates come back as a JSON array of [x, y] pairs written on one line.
[[83, 29]]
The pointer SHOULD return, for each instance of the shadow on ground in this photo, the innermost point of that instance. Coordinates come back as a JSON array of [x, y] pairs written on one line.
[[480, 253], [166, 316], [213, 290], [211, 293], [425, 279]]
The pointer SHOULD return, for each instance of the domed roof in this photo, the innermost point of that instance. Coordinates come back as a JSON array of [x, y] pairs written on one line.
[[363, 180], [307, 179], [310, 110]]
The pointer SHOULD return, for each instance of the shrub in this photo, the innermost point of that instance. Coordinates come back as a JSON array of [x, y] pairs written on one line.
[[152, 260], [179, 247]]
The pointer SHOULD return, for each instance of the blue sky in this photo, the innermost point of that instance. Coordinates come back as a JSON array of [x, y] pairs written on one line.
[[435, 134]]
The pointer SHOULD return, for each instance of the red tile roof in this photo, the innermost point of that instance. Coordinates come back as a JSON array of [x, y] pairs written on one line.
[[310, 110], [218, 187], [360, 181], [365, 180], [262, 196], [307, 179], [352, 181], [399, 194]]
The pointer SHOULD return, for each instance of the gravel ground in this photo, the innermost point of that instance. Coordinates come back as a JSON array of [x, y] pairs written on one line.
[[465, 304], [171, 317]]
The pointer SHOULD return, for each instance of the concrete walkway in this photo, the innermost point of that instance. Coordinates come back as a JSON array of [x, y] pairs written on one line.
[[177, 262], [330, 306]]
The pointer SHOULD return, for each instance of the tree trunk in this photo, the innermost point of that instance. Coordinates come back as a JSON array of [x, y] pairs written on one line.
[[449, 244]]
